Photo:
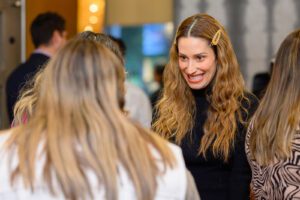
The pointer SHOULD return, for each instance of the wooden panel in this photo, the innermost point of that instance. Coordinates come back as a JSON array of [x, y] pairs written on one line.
[[136, 12], [90, 18], [66, 8]]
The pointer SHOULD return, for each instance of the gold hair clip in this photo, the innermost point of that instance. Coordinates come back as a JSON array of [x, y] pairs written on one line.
[[216, 38]]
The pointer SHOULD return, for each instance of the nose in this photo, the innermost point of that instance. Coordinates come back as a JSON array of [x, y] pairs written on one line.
[[190, 68]]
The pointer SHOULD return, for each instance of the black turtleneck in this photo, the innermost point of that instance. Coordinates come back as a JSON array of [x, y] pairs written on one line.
[[214, 178]]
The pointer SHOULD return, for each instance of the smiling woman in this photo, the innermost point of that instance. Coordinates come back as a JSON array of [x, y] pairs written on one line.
[[205, 106], [197, 61]]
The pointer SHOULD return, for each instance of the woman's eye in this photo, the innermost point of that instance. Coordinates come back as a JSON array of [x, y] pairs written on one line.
[[200, 58], [183, 58]]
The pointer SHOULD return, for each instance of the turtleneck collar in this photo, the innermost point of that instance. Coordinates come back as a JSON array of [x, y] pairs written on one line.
[[199, 93], [201, 98]]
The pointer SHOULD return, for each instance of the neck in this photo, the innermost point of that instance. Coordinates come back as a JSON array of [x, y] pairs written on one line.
[[47, 50]]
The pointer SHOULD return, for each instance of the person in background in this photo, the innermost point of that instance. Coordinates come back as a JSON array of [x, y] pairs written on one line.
[[48, 36], [158, 77], [78, 144], [137, 102], [273, 139], [261, 80], [205, 107]]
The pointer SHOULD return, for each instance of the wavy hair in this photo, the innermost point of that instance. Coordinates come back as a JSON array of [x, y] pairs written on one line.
[[27, 100], [277, 118], [176, 108], [78, 127]]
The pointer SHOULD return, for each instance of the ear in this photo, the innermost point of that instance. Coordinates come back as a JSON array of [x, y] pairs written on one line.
[[55, 37], [58, 39]]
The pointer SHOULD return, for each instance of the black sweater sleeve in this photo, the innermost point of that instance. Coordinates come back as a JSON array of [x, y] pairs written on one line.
[[240, 176]]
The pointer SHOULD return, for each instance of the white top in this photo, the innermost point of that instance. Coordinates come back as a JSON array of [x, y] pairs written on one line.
[[171, 186], [138, 105]]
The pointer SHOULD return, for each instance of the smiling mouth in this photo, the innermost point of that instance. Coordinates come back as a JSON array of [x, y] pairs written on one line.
[[195, 78]]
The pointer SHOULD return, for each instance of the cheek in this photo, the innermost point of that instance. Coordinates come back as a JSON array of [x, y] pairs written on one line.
[[212, 66], [213, 71], [182, 66]]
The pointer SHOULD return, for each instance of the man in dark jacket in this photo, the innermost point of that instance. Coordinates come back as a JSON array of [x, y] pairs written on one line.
[[48, 35]]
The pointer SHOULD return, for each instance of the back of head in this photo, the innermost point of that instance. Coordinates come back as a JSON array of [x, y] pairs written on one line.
[[43, 27], [109, 43], [78, 120], [120, 43], [82, 66], [277, 117], [105, 40]]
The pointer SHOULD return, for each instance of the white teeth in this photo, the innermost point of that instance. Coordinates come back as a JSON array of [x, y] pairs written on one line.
[[195, 78]]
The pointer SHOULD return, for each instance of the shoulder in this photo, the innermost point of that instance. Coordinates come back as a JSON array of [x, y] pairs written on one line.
[[33, 63], [4, 135], [18, 71], [175, 149], [38, 58], [173, 184]]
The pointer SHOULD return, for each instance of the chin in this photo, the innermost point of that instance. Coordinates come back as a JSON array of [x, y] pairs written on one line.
[[197, 87]]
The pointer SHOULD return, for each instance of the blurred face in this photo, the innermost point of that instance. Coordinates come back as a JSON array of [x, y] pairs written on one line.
[[197, 61]]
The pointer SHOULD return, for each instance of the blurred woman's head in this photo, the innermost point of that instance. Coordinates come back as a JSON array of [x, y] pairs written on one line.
[[79, 124]]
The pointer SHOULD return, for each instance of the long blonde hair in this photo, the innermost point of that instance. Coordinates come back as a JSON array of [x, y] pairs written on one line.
[[278, 115], [79, 125], [176, 108]]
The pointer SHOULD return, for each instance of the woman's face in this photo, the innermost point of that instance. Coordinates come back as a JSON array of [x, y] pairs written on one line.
[[197, 61]]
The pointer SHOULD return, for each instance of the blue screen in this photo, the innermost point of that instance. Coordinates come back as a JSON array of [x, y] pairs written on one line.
[[155, 42]]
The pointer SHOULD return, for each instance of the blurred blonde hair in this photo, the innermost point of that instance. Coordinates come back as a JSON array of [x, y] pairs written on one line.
[[79, 125], [26, 102], [277, 118], [176, 108]]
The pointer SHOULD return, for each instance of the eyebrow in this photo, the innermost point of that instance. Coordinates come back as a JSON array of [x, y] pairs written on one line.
[[198, 54]]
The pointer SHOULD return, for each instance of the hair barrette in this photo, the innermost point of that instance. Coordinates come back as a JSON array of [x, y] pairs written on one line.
[[216, 38]]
